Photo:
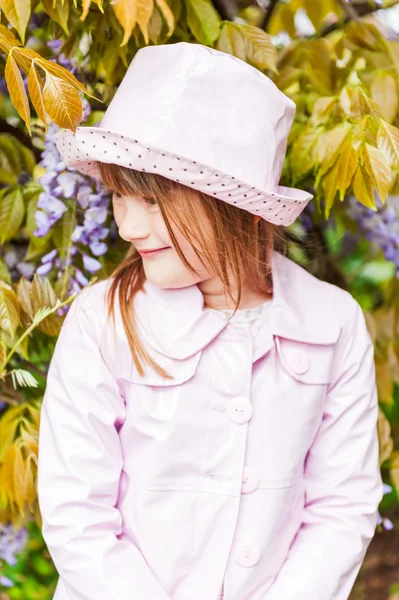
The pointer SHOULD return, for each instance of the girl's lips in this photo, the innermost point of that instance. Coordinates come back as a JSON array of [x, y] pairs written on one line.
[[148, 253]]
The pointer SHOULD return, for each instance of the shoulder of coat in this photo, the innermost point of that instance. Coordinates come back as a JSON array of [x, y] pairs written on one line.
[[93, 299], [318, 296]]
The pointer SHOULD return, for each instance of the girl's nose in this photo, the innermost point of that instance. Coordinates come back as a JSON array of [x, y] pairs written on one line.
[[134, 225]]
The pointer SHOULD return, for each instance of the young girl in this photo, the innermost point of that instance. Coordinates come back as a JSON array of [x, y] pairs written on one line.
[[208, 428]]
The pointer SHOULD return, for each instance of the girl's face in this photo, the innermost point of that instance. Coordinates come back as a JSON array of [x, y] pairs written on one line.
[[141, 223]]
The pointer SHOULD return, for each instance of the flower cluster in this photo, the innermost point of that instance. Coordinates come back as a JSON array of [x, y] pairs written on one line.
[[60, 186], [380, 227], [11, 544]]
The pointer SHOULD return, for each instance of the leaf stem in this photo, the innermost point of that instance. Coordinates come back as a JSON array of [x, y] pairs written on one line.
[[36, 320]]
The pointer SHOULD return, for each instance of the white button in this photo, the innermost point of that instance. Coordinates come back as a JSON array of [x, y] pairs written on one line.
[[299, 361], [247, 555], [250, 480], [239, 410]]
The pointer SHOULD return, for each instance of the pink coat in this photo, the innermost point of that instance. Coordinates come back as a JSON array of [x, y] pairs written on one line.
[[256, 471]]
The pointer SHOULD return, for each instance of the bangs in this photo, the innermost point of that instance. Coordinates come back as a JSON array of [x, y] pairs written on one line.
[[132, 182]]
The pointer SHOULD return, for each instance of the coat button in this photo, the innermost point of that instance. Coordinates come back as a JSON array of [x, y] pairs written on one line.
[[239, 410], [299, 361], [247, 555], [250, 481]]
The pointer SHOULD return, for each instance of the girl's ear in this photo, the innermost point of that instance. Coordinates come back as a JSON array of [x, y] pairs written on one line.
[[256, 218]]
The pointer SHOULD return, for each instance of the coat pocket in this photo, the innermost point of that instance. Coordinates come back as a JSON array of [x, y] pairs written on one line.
[[307, 363]]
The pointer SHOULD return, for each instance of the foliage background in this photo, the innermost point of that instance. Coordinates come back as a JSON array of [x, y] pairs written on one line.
[[60, 64]]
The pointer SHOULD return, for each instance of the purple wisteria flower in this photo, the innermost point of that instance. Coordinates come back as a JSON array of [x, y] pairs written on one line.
[[61, 186], [380, 227], [12, 542]]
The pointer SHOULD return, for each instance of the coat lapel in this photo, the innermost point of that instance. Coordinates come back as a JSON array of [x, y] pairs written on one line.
[[176, 324]]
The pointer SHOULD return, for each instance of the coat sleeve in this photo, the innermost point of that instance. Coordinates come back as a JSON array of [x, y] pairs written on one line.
[[343, 484], [79, 466]]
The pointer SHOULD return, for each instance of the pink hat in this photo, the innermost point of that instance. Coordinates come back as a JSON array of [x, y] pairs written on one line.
[[201, 117]]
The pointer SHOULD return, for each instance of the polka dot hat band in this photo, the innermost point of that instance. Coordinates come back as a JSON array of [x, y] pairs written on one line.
[[201, 117]]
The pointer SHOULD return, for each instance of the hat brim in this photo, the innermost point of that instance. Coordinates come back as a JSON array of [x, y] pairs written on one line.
[[82, 150]]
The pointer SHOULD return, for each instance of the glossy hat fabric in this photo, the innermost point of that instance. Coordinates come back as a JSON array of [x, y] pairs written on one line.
[[201, 117]]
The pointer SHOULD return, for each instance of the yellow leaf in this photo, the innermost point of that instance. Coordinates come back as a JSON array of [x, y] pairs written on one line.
[[384, 437], [24, 295], [301, 154], [17, 13], [363, 34], [384, 382], [365, 131], [17, 91], [155, 27], [378, 170], [355, 103], [388, 143], [339, 177], [316, 12], [260, 50], [24, 56], [35, 84], [62, 102], [282, 20], [231, 41], [126, 13], [384, 92], [394, 469], [43, 295], [168, 15], [319, 78], [363, 187], [7, 37], [59, 71], [86, 7], [58, 13], [347, 163], [329, 185], [287, 76], [144, 12], [322, 109], [249, 43], [12, 212], [9, 310], [329, 143]]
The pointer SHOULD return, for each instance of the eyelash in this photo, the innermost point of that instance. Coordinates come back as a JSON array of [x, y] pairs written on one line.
[[118, 195]]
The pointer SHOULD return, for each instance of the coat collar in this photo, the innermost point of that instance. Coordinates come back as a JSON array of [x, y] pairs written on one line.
[[176, 324]]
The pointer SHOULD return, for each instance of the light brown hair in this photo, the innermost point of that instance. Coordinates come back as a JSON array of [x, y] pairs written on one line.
[[242, 246]]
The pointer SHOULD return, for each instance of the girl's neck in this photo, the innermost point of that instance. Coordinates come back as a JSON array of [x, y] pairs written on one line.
[[215, 296]]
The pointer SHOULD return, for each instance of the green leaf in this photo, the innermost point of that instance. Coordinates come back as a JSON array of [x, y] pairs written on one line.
[[58, 13], [12, 212], [203, 20]]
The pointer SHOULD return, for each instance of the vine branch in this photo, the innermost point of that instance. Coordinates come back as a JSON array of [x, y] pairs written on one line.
[[271, 5], [351, 12], [362, 10], [227, 9]]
